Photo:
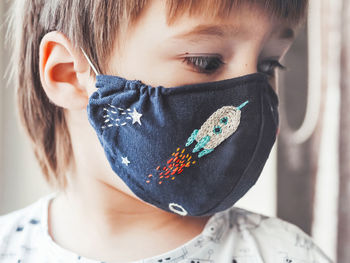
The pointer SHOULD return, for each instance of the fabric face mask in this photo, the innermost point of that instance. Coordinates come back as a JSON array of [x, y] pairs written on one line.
[[192, 150]]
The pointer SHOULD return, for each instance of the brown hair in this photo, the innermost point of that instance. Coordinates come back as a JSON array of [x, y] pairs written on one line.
[[92, 25]]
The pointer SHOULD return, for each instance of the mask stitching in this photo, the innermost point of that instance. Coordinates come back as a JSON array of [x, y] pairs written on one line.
[[111, 112], [200, 87]]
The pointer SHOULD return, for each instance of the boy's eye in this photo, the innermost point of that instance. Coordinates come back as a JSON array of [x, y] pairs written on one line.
[[210, 64], [204, 64], [268, 67]]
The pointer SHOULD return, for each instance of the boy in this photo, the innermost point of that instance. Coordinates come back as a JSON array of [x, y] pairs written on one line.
[[97, 216]]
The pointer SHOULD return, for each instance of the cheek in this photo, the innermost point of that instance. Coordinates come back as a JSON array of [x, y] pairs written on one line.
[[88, 153], [89, 157], [148, 64], [91, 87]]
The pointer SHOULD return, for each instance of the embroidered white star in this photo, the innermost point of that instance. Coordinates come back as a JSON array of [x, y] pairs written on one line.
[[135, 116], [125, 161]]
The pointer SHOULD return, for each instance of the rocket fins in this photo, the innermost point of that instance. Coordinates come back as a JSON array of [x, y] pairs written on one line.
[[205, 152], [201, 143], [191, 138]]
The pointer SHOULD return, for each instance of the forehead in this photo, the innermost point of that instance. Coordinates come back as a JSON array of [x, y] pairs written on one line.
[[246, 24], [222, 19], [291, 12], [243, 21]]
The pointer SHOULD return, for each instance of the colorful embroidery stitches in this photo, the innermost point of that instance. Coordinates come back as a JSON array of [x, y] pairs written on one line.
[[174, 166], [217, 128], [114, 117]]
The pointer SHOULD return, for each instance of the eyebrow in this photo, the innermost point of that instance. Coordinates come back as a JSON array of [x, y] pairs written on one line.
[[211, 30], [221, 31]]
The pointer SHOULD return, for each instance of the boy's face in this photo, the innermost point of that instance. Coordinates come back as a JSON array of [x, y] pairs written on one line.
[[192, 50], [199, 49]]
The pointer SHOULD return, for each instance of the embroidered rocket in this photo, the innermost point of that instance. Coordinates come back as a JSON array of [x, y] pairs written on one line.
[[217, 128]]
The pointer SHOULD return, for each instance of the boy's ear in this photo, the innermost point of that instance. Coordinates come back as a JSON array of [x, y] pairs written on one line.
[[64, 72]]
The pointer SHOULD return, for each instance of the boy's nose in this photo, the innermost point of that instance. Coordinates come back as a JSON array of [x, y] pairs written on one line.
[[242, 64]]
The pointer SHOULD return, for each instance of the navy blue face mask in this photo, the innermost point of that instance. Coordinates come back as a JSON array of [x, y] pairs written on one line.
[[192, 150]]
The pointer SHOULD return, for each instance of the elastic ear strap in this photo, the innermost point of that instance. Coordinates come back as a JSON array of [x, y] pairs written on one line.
[[90, 63]]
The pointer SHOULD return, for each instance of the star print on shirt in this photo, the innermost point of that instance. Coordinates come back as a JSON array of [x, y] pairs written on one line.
[[135, 116], [125, 161]]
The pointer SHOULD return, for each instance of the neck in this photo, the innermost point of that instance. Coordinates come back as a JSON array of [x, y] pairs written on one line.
[[90, 209], [114, 209]]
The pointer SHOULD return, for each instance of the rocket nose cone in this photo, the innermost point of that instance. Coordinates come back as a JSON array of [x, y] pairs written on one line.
[[242, 105]]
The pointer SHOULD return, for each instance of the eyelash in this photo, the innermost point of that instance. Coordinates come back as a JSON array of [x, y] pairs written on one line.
[[204, 64], [273, 64], [210, 64]]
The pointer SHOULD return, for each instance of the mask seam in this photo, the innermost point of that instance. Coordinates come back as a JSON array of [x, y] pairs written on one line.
[[179, 90], [243, 79], [188, 88]]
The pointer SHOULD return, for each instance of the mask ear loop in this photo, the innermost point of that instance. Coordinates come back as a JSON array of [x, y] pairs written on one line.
[[90, 63]]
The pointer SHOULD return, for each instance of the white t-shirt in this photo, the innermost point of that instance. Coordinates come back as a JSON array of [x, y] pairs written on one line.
[[232, 236]]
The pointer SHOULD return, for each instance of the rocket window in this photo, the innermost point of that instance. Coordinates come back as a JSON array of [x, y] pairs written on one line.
[[217, 129], [224, 120]]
